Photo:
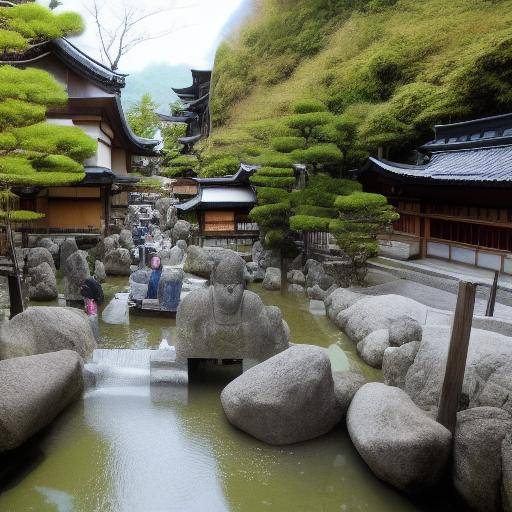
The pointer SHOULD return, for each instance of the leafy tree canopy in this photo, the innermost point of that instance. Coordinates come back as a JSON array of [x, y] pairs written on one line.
[[142, 117]]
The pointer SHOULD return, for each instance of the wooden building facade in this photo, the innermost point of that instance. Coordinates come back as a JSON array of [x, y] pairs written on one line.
[[94, 105], [457, 204], [222, 207]]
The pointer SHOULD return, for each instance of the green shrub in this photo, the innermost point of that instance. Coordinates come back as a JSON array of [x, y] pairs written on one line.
[[275, 171], [318, 154], [315, 211], [272, 159], [272, 181], [288, 144], [222, 167], [265, 215], [269, 195], [309, 223], [307, 106]]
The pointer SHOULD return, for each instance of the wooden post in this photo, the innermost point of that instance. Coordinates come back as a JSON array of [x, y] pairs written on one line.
[[457, 355], [492, 295], [284, 273], [15, 294]]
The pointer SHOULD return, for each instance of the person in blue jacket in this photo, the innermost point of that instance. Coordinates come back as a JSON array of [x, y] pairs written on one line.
[[154, 279]]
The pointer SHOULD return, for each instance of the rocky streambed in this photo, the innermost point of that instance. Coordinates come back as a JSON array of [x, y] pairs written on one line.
[[126, 447]]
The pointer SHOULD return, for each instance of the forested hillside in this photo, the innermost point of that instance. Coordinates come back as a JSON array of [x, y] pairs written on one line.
[[389, 68]]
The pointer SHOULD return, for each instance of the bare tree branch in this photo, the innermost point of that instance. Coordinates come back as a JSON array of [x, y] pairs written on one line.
[[119, 38]]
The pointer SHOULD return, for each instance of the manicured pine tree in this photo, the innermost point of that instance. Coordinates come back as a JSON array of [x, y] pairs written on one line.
[[273, 185], [32, 151]]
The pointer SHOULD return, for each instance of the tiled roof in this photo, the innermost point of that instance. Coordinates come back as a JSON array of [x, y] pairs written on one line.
[[491, 165]]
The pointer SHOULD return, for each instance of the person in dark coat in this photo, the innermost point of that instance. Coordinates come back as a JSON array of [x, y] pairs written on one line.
[[156, 265]]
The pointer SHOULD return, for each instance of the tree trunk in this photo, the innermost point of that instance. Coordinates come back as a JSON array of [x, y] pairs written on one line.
[[14, 281]]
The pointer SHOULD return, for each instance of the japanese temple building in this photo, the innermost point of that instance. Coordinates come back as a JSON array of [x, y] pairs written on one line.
[[457, 204], [222, 207], [196, 99], [94, 105]]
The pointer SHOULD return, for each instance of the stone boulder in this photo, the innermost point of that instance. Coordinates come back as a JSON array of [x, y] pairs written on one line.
[[316, 293], [404, 330], [296, 277], [169, 289], [43, 284], [339, 300], [346, 385], [287, 399], [171, 217], [372, 348], [265, 258], [67, 248], [488, 375], [182, 244], [99, 271], [374, 313], [33, 391], [118, 262], [255, 274], [109, 243], [316, 274], [181, 231], [38, 255], [198, 262], [76, 271], [132, 217], [54, 248], [176, 256], [272, 279], [46, 329], [162, 205], [296, 288], [399, 442], [397, 361], [256, 251], [477, 456], [126, 239]]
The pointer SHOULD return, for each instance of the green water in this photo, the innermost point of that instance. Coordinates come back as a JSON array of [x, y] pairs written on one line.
[[133, 449]]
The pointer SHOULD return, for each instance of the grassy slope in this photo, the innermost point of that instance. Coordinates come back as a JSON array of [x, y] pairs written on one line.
[[399, 67]]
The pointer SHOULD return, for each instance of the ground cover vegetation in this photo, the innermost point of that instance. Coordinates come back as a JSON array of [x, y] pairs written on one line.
[[387, 69]]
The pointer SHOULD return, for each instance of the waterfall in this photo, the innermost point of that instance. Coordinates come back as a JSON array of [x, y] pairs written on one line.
[[122, 358]]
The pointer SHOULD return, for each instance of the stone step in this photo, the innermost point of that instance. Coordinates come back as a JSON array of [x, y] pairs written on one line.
[[437, 278]]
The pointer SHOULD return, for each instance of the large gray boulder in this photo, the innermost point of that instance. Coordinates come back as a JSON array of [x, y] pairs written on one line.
[[162, 205], [76, 271], [264, 258], [51, 246], [198, 262], [171, 217], [372, 348], [33, 391], [182, 244], [287, 399], [46, 329], [346, 385], [132, 217], [399, 442], [296, 277], [118, 262], [404, 330], [488, 375], [109, 243], [373, 313], [255, 274], [43, 284], [272, 279], [126, 239], [506, 472], [397, 361], [339, 300], [38, 255], [67, 248], [316, 274], [181, 231], [477, 456], [176, 256]]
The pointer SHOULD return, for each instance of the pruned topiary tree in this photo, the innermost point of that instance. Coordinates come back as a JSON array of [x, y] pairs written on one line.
[[32, 151]]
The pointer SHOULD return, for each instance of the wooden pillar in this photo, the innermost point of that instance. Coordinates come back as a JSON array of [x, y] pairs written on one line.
[[426, 236], [492, 295], [457, 355]]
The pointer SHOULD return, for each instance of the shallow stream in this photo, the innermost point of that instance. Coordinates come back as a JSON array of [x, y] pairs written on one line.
[[128, 447]]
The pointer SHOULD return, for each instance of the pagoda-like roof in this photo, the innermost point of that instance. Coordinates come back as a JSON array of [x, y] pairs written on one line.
[[477, 133], [223, 192], [481, 166]]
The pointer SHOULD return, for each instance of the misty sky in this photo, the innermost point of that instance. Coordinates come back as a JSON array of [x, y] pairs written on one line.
[[195, 25]]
